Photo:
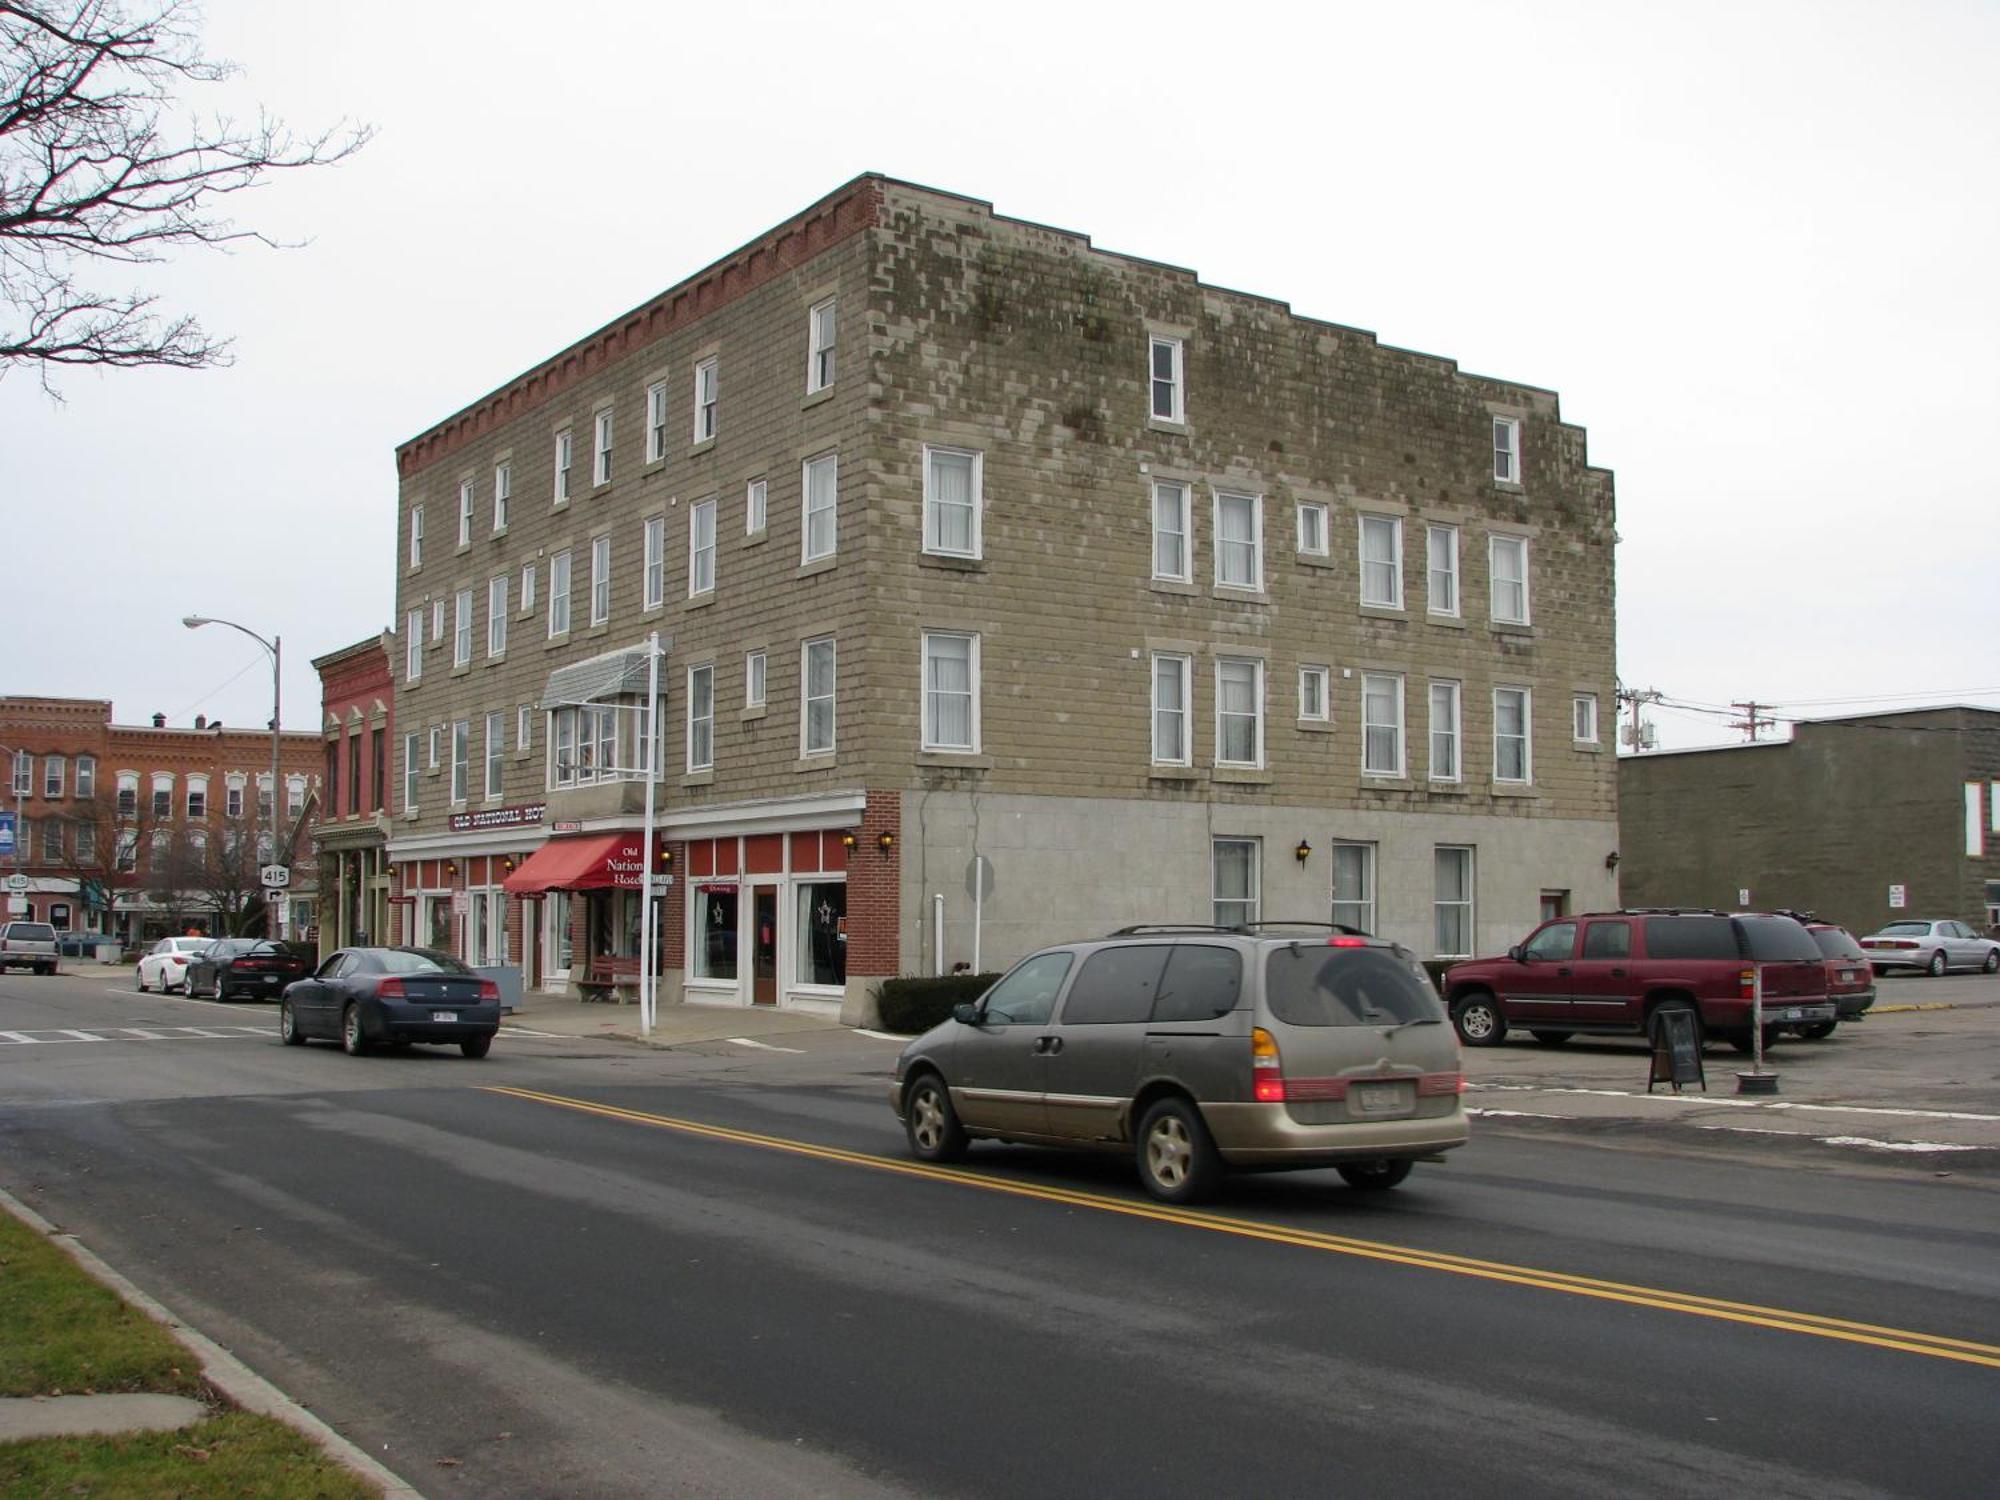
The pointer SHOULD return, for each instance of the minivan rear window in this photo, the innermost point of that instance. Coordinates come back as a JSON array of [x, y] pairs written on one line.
[[1319, 985], [1691, 937], [1779, 939]]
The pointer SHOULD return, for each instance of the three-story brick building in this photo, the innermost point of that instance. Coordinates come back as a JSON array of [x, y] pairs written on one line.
[[1008, 589]]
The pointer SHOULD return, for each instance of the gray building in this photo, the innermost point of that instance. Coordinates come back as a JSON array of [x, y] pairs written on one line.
[[1862, 819], [975, 547]]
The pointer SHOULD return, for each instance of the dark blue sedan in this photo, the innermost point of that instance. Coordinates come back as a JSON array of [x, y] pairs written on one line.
[[369, 997]]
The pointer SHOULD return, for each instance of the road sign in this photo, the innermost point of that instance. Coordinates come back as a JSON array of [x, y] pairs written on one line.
[[6, 833], [17, 906], [275, 877], [1899, 897], [17, 882], [274, 896]]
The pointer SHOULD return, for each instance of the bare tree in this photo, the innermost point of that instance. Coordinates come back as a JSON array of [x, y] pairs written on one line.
[[101, 161]]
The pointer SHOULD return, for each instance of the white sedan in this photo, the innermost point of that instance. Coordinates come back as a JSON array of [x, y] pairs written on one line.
[[165, 963], [1934, 947]]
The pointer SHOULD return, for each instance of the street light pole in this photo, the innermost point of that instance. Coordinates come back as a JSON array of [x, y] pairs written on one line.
[[276, 647]]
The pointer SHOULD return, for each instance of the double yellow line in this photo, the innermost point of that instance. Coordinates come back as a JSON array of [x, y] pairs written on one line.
[[1965, 1351]]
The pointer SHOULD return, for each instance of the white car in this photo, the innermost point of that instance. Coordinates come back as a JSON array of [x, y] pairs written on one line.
[[165, 963], [1934, 947]]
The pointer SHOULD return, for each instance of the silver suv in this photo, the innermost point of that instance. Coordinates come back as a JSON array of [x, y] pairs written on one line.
[[1263, 1047]]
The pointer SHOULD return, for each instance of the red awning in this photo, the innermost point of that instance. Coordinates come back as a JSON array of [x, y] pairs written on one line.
[[596, 862]]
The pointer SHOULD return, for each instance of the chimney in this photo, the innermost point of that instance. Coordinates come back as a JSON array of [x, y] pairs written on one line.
[[159, 721], [201, 721]]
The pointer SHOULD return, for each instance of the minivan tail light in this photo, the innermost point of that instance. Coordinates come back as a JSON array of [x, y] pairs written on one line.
[[1347, 941], [1267, 1069], [391, 989], [1433, 1084]]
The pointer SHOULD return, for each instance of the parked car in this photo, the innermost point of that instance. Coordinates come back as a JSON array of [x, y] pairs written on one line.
[[28, 945], [1198, 1049], [1850, 978], [165, 963], [1933, 946], [362, 997], [232, 967], [1614, 972]]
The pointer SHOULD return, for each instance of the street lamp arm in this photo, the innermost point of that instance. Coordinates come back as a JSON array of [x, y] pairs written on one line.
[[195, 622]]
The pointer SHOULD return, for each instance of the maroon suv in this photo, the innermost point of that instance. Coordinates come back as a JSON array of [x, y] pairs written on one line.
[[1614, 972]]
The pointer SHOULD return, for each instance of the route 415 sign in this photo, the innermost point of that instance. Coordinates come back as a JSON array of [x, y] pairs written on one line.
[[275, 877]]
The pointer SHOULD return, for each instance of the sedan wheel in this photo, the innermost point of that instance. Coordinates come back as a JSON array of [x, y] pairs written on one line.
[[288, 1026], [476, 1047], [1935, 968], [1992, 964], [352, 1040], [139, 978]]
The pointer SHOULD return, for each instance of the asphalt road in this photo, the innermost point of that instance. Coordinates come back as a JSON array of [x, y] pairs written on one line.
[[584, 1269]]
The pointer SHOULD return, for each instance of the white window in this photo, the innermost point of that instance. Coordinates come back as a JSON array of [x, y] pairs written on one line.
[[527, 587], [86, 843], [1236, 880], [52, 839], [701, 547], [600, 469], [1173, 557], [232, 798], [1507, 450], [163, 795], [1512, 760], [1382, 561], [600, 579], [656, 421], [821, 489], [1354, 886], [952, 502], [1453, 901], [1313, 691], [496, 616], [503, 494], [1509, 564], [1172, 677], [1444, 731], [755, 495], [819, 346], [496, 747], [413, 645], [1312, 528], [416, 536], [564, 449], [1239, 712], [1239, 541], [431, 755], [706, 374], [1583, 715], [24, 774], [816, 716], [753, 679], [197, 797], [656, 561], [701, 718], [559, 594], [524, 731], [951, 692], [1441, 549], [86, 776], [461, 750], [465, 514], [1165, 369], [437, 620], [461, 641], [1381, 724], [409, 774]]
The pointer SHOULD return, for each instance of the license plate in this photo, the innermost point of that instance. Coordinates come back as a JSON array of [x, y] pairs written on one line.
[[1791, 1013], [444, 1015], [1381, 1098]]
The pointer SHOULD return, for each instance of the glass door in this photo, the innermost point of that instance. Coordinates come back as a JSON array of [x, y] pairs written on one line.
[[764, 945]]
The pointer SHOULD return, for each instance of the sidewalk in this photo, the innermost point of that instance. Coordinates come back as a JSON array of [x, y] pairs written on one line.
[[674, 1025]]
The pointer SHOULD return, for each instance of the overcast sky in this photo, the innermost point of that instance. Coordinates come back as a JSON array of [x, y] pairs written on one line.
[[1752, 246]]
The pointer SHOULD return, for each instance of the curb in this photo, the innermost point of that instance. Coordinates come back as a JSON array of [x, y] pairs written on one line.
[[219, 1367]]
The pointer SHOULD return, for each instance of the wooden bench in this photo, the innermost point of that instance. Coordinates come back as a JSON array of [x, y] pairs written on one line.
[[604, 977]]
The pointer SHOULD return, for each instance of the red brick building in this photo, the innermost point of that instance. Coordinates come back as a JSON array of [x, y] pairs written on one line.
[[141, 830], [358, 736]]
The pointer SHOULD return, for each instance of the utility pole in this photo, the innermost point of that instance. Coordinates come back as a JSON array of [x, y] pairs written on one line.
[[1638, 735], [1750, 723]]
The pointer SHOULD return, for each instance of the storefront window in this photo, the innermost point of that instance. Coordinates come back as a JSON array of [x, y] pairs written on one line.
[[715, 932], [822, 931], [440, 930], [559, 902]]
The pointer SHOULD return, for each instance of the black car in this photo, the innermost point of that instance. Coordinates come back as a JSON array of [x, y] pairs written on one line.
[[365, 997], [233, 967]]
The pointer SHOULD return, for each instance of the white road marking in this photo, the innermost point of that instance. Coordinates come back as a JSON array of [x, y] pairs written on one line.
[[880, 1036], [20, 1038], [744, 1041], [554, 1036], [1777, 1105], [1843, 1140], [81, 1036], [60, 1035]]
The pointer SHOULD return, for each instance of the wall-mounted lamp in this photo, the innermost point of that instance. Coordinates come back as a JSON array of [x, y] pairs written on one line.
[[451, 869], [666, 858], [507, 863], [1303, 852], [885, 841], [847, 841], [1611, 860]]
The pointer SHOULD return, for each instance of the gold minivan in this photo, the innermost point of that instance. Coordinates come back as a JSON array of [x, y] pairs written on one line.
[[1264, 1047]]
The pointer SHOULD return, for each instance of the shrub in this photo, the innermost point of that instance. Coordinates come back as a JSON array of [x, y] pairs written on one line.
[[918, 1002]]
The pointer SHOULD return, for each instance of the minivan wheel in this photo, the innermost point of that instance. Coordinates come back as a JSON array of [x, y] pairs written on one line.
[[1478, 1021], [930, 1121], [1177, 1157], [1374, 1175], [1935, 968]]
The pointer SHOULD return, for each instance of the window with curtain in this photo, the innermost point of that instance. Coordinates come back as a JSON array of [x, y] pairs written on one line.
[[951, 502], [951, 688]]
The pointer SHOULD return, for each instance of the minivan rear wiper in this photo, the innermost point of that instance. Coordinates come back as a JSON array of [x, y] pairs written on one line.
[[1415, 1021]]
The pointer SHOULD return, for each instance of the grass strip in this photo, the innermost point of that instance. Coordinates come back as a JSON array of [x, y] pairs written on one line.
[[233, 1455]]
